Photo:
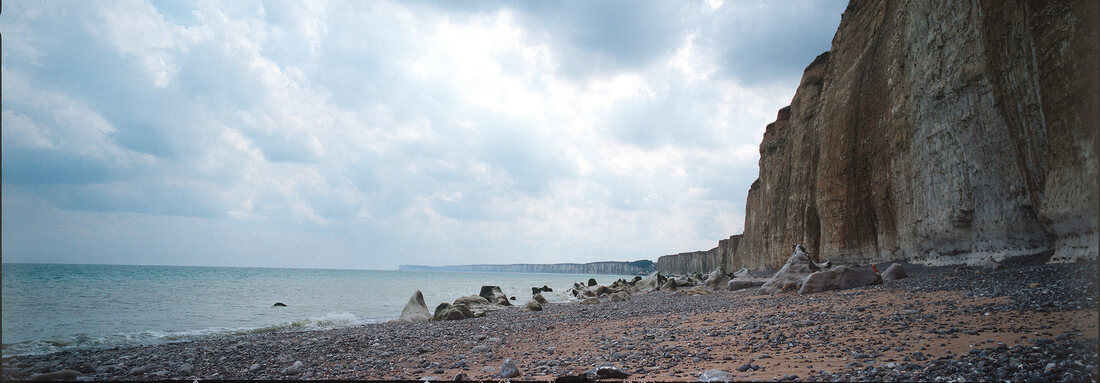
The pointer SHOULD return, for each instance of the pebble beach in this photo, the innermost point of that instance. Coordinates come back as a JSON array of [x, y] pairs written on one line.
[[1028, 321]]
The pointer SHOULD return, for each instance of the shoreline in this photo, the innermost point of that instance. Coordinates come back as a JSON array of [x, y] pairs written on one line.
[[947, 321]]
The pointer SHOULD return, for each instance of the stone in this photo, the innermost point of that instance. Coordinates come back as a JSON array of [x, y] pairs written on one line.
[[990, 264], [714, 376], [894, 272], [471, 300], [279, 304], [590, 301], [493, 294], [650, 282], [254, 367], [460, 376], [606, 371], [592, 282], [790, 278], [540, 299], [697, 290], [293, 369], [740, 284], [143, 369], [56, 375], [717, 279], [669, 285], [620, 297], [839, 278], [743, 273], [602, 290], [447, 311], [508, 369], [532, 306], [188, 369], [415, 310]]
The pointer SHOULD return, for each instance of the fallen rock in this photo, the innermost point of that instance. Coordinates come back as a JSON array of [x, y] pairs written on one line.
[[279, 304], [669, 285], [697, 290], [602, 290], [620, 296], [839, 278], [739, 284], [253, 368], [743, 273], [606, 371], [415, 310], [717, 279], [571, 378], [143, 369], [494, 295], [508, 370], [592, 282], [714, 376], [56, 375], [188, 369], [460, 376], [471, 300], [790, 278], [990, 264], [894, 272], [532, 306], [540, 299], [591, 301], [447, 311]]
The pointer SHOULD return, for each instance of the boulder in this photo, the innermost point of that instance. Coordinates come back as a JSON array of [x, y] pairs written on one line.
[[635, 280], [715, 376], [540, 299], [620, 296], [717, 279], [651, 281], [670, 285], [590, 301], [471, 300], [547, 289], [592, 282], [508, 370], [535, 290], [790, 278], [494, 295], [697, 290], [602, 290], [839, 278], [279, 304], [532, 306], [990, 264], [740, 284], [743, 273], [606, 371], [415, 310], [447, 311], [894, 272]]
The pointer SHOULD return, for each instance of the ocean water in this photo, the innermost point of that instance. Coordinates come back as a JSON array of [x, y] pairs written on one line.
[[51, 307]]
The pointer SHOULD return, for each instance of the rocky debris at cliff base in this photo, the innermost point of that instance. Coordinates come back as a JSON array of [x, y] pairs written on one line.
[[540, 299], [894, 272], [471, 300], [415, 310], [532, 306], [494, 295], [740, 284], [839, 278], [718, 279], [790, 278], [447, 311], [990, 264]]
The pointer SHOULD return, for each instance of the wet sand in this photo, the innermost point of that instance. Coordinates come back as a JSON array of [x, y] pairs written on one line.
[[1028, 322]]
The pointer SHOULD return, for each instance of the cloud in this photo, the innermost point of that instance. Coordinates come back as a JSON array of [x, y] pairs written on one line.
[[384, 132]]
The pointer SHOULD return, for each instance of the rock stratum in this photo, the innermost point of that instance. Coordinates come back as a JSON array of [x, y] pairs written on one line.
[[932, 132], [610, 267]]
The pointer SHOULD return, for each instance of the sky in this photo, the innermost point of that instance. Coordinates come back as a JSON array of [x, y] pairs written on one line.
[[370, 134]]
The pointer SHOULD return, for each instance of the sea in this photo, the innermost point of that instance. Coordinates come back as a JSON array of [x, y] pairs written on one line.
[[56, 307]]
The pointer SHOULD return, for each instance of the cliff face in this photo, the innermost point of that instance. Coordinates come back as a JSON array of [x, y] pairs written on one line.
[[701, 261], [615, 268], [935, 133]]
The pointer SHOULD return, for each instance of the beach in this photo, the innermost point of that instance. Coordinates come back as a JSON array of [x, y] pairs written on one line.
[[1027, 321]]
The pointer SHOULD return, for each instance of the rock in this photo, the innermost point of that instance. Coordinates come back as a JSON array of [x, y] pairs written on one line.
[[294, 369], [606, 371], [894, 272], [494, 295], [540, 299], [571, 378], [794, 273], [717, 279], [990, 264], [670, 285], [471, 300], [56, 375], [508, 369], [602, 290], [839, 278], [592, 282], [279, 304], [743, 273], [254, 367], [697, 290], [415, 310], [590, 301], [620, 297], [651, 282], [480, 349], [739, 284], [532, 306], [547, 289], [460, 376], [447, 311], [188, 369], [714, 376]]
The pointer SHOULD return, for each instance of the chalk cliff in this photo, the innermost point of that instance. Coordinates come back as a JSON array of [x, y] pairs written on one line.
[[610, 267], [935, 132]]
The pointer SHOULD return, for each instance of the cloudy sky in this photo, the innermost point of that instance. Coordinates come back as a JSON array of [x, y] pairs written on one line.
[[368, 134]]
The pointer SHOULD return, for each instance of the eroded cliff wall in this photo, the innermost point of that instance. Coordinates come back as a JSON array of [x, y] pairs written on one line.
[[610, 267], [936, 132]]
